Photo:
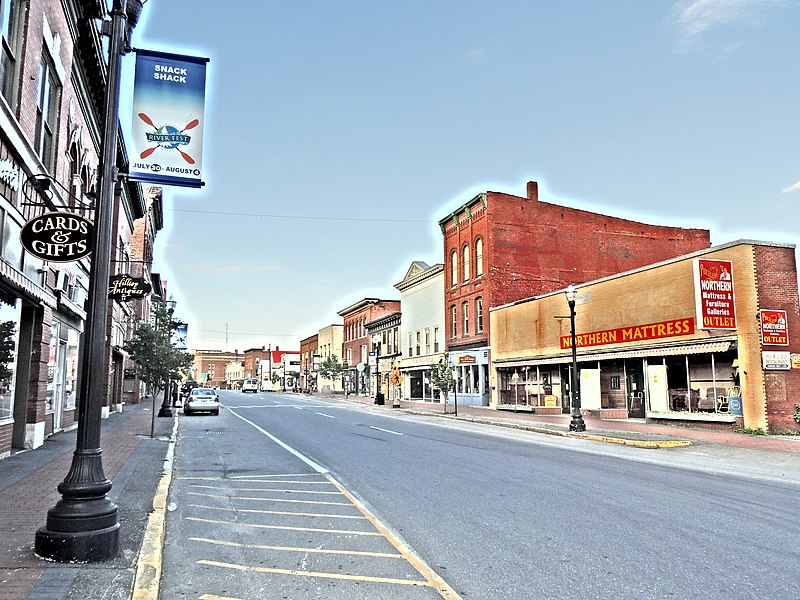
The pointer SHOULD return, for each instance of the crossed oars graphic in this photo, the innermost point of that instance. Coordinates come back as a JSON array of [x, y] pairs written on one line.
[[149, 151]]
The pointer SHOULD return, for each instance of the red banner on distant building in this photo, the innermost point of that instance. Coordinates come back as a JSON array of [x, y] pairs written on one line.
[[774, 331], [634, 333], [713, 291]]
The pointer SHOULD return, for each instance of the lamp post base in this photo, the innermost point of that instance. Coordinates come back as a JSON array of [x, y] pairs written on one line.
[[83, 532], [165, 411], [577, 424]]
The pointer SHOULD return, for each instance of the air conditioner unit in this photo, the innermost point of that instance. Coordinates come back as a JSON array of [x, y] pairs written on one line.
[[62, 281]]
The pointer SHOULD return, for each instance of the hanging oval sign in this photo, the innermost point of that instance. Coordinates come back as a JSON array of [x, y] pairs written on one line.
[[57, 236]]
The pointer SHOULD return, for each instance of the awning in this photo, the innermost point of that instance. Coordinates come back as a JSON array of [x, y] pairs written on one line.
[[18, 281], [672, 350]]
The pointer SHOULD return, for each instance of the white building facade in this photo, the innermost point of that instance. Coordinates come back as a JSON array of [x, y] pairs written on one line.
[[422, 329]]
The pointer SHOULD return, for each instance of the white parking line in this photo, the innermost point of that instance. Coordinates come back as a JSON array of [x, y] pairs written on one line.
[[385, 430], [324, 415]]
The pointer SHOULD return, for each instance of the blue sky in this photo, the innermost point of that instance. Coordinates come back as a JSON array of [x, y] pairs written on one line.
[[339, 132]]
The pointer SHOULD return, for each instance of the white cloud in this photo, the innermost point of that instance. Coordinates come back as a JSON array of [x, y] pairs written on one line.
[[695, 17], [792, 188]]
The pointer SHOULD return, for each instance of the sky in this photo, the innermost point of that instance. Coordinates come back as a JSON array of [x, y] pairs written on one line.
[[338, 133]]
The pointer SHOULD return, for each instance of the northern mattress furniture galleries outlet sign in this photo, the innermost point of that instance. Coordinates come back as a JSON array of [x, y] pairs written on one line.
[[774, 331], [713, 293]]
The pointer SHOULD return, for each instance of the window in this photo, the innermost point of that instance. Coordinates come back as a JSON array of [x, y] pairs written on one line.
[[478, 257], [418, 344], [465, 256], [48, 93], [410, 344], [435, 339], [453, 321], [10, 28], [465, 308], [453, 269], [479, 315], [427, 341], [395, 347], [363, 353]]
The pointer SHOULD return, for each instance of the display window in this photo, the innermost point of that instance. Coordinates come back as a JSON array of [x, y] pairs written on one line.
[[9, 339]]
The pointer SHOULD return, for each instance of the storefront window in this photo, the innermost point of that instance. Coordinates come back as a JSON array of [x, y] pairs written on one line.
[[699, 383], [9, 337]]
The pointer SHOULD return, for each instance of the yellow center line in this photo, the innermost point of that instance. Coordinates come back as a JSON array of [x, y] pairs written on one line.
[[277, 512], [314, 574], [284, 528], [326, 503], [293, 549]]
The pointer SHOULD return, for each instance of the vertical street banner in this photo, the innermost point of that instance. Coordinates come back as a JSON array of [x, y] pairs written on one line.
[[179, 337], [166, 142], [713, 292]]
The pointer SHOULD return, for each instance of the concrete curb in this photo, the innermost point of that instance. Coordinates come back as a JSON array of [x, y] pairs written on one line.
[[148, 566], [533, 428]]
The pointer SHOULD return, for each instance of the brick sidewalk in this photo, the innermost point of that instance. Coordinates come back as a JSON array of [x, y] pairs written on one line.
[[26, 500]]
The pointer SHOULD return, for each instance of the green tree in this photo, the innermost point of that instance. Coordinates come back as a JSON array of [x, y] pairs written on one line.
[[442, 377], [152, 350], [330, 368]]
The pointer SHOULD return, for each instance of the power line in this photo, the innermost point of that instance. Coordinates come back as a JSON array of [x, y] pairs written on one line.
[[300, 217]]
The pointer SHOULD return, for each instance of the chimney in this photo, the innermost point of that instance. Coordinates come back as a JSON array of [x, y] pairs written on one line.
[[533, 191]]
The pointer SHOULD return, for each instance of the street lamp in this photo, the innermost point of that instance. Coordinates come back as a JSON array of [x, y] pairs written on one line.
[[576, 424], [83, 525], [165, 410]]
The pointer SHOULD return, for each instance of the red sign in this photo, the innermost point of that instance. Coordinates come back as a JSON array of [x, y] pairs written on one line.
[[635, 333], [774, 331], [713, 291]]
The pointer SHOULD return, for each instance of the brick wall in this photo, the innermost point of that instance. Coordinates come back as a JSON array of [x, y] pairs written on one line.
[[532, 247], [776, 274]]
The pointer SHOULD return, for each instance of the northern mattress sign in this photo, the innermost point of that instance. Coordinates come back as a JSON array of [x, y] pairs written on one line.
[[634, 333], [713, 290]]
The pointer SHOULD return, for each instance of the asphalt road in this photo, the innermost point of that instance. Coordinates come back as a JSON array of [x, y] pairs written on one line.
[[283, 496]]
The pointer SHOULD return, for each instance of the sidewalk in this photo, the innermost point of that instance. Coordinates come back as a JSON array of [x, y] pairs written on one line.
[[28, 481], [630, 432]]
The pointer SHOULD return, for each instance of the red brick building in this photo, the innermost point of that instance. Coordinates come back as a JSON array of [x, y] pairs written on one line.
[[209, 366], [499, 248], [356, 342]]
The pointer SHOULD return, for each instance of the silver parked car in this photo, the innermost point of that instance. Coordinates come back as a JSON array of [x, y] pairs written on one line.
[[201, 399]]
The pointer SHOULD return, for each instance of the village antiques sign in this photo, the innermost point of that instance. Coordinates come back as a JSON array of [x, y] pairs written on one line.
[[57, 237], [126, 287]]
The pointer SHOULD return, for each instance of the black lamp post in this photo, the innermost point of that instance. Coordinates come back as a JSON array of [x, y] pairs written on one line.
[[576, 424], [165, 410], [83, 525]]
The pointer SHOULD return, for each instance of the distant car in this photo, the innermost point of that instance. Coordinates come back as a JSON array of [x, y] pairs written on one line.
[[250, 385], [201, 400], [188, 386]]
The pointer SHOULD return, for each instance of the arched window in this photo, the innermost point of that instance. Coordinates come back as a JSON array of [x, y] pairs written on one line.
[[478, 257], [465, 256], [453, 268]]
